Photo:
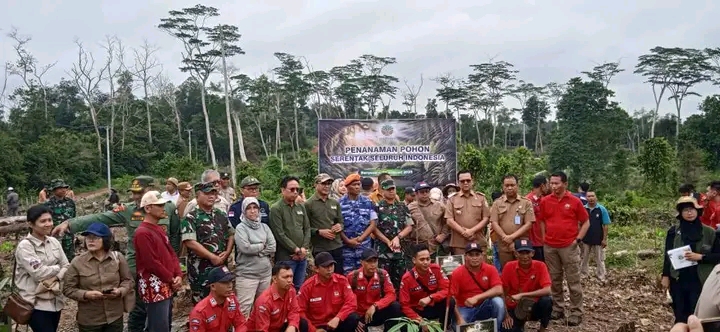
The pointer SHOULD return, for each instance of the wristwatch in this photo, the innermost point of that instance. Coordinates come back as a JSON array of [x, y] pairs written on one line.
[[578, 241]]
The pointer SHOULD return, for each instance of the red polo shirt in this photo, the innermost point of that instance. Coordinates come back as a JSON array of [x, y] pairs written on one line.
[[517, 280], [535, 231], [464, 287], [711, 214], [271, 311], [321, 302], [368, 290], [562, 217], [210, 316], [411, 292]]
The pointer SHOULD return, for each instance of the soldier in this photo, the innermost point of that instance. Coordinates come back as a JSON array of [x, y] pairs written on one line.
[[207, 234], [360, 220], [209, 176], [225, 190], [131, 216], [394, 224], [63, 208]]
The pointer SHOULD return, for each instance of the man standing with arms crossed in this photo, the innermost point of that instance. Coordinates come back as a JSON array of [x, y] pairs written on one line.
[[561, 212]]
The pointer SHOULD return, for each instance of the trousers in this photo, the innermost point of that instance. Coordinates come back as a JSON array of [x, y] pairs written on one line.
[[565, 261]]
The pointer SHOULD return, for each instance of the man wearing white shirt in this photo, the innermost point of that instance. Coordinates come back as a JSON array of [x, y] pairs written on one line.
[[171, 190]]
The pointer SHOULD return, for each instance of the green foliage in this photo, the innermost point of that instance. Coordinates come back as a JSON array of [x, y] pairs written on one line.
[[181, 167], [657, 164], [407, 324], [489, 165]]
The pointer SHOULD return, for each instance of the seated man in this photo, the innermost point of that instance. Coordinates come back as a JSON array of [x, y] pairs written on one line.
[[276, 309], [374, 291], [424, 289], [220, 310], [326, 300], [477, 288], [527, 289]]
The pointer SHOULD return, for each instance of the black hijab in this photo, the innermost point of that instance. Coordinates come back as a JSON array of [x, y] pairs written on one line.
[[690, 231]]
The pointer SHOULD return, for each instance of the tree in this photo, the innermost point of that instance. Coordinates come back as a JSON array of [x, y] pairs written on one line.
[[534, 114], [688, 68], [703, 130], [603, 73], [296, 89], [144, 71], [410, 95], [188, 26], [26, 67], [655, 67], [523, 92], [451, 92], [86, 79], [167, 91], [657, 161], [554, 92], [496, 80], [373, 84]]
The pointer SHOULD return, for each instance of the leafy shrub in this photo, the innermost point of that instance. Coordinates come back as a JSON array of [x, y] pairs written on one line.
[[181, 167]]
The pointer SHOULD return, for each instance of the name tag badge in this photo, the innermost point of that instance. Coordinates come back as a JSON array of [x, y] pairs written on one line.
[[333, 207], [299, 212], [517, 219]]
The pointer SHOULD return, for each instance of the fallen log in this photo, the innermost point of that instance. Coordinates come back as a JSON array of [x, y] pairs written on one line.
[[642, 254], [14, 228], [12, 220]]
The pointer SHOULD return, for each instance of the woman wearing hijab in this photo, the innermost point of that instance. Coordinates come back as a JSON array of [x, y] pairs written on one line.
[[685, 284], [255, 244], [337, 189]]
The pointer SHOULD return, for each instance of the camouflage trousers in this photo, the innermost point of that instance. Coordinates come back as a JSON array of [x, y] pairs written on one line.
[[198, 270], [351, 256], [68, 246], [395, 266]]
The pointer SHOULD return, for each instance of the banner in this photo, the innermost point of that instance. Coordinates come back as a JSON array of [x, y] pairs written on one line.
[[409, 150]]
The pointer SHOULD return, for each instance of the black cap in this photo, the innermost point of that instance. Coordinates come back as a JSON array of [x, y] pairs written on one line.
[[368, 254], [476, 246], [523, 245], [224, 175], [422, 185], [219, 274], [410, 191], [324, 259], [366, 182]]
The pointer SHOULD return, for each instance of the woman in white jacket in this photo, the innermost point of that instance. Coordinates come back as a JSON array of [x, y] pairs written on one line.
[[255, 246]]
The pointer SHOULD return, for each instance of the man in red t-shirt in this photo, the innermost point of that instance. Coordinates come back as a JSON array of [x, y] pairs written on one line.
[[424, 289], [477, 288], [565, 221], [526, 280], [277, 309], [374, 292], [711, 211], [540, 189], [220, 310]]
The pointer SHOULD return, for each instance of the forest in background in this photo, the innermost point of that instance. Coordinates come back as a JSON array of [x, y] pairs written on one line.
[[267, 125]]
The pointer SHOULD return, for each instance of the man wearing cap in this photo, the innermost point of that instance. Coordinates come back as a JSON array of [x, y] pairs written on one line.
[[225, 190], [512, 217], [360, 219], [185, 195], [171, 190], [326, 221], [131, 215], [467, 214], [374, 292], [326, 300], [424, 288], [409, 195], [210, 176], [429, 217], [394, 224], [219, 311], [208, 236], [527, 289], [158, 268], [249, 187], [477, 287], [63, 208], [376, 195], [277, 309]]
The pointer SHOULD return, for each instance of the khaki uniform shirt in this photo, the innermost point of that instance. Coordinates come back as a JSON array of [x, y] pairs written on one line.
[[429, 221], [708, 306], [87, 273], [467, 210], [37, 261], [221, 203], [510, 216], [227, 193]]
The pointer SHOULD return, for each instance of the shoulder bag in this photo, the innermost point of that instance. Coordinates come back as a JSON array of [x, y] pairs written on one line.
[[16, 307]]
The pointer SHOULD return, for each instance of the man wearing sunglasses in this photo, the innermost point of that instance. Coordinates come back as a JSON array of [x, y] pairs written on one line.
[[209, 176], [467, 214]]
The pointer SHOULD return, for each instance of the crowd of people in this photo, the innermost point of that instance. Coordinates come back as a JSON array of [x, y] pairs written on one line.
[[373, 255]]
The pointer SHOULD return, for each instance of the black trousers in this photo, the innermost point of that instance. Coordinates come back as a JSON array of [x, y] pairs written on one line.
[[116, 326], [337, 255], [44, 321], [349, 324], [137, 318], [384, 316], [539, 254], [303, 326], [685, 294], [541, 310]]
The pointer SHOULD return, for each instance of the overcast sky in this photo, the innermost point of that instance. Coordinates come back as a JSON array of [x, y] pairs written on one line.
[[547, 40]]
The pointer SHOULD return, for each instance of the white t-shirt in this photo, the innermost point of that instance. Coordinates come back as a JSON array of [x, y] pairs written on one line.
[[171, 197]]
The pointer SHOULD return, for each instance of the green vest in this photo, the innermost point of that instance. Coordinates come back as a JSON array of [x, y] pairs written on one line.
[[704, 246]]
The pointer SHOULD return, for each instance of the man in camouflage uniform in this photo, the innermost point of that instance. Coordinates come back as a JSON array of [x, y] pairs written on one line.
[[207, 234], [360, 219], [63, 208], [210, 176], [130, 215], [394, 224]]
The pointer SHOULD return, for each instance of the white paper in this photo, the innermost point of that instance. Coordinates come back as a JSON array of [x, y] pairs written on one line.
[[677, 258]]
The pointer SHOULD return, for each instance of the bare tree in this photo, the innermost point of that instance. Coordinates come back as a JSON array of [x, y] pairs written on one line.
[[411, 95], [144, 68], [26, 66], [166, 90], [111, 73], [86, 79], [6, 74]]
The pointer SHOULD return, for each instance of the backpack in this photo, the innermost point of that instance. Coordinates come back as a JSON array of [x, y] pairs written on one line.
[[381, 277]]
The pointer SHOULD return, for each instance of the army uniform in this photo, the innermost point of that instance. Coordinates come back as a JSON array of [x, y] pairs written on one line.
[[212, 230], [62, 209], [131, 216], [392, 219]]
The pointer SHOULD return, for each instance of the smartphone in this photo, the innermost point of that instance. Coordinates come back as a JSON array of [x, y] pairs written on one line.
[[107, 291], [711, 324], [300, 191]]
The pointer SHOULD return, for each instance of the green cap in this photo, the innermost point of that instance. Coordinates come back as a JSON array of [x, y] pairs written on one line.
[[141, 182], [58, 183], [249, 181], [205, 187], [388, 184]]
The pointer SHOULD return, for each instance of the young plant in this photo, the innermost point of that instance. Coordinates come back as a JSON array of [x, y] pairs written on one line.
[[407, 324]]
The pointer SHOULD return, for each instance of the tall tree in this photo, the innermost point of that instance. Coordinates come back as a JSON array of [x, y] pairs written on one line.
[[26, 67], [523, 92], [373, 83], [496, 79], [296, 89], [86, 78], [198, 58], [146, 70], [604, 72], [688, 67], [655, 67], [410, 95], [534, 114]]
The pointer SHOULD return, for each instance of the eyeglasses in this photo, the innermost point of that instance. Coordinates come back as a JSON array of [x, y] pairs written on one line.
[[465, 181], [294, 189]]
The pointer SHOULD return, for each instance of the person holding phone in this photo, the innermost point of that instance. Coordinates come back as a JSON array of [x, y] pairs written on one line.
[[99, 280]]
